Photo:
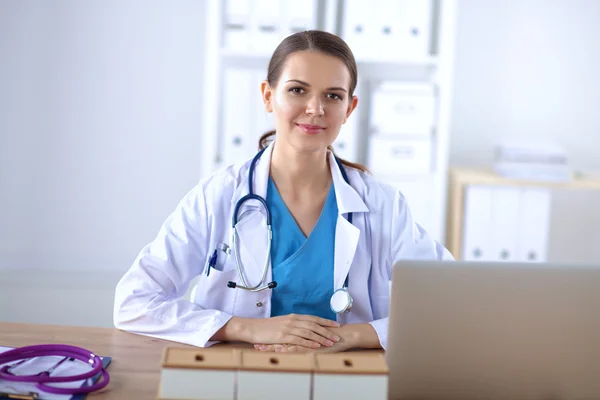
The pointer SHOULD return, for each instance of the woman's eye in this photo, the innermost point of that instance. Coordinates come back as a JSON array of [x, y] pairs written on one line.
[[334, 96], [297, 90]]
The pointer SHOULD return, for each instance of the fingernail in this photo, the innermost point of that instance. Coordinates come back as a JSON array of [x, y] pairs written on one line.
[[336, 338], [317, 345], [329, 343]]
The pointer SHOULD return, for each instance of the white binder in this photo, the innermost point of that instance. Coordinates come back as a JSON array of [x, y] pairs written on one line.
[[357, 28], [386, 28], [476, 224], [505, 221], [299, 16], [239, 141], [267, 24], [534, 226], [414, 23], [237, 25]]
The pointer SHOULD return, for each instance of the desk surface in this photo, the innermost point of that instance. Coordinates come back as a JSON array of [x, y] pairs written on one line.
[[135, 366], [134, 370]]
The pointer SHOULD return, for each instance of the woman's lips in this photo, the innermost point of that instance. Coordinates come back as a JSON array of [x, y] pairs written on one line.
[[311, 129]]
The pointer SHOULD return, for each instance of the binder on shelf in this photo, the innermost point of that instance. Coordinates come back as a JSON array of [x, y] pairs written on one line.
[[505, 221], [237, 25], [357, 28], [534, 227], [266, 25], [477, 218], [413, 27], [299, 16], [386, 28]]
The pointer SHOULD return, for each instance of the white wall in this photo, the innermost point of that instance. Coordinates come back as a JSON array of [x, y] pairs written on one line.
[[529, 69], [100, 117]]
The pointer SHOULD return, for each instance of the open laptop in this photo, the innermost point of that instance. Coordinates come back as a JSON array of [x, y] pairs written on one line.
[[466, 330]]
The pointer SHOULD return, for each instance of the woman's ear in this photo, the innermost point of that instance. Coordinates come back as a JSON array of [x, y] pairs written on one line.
[[267, 95], [351, 107]]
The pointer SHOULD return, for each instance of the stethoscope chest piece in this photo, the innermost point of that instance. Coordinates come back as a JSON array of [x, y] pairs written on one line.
[[341, 301]]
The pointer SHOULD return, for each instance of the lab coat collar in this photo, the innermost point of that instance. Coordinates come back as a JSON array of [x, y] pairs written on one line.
[[348, 199]]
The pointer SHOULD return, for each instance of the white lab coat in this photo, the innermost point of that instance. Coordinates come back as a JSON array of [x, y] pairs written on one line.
[[149, 300]]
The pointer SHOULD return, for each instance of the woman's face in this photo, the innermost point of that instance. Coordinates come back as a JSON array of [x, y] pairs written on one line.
[[310, 102]]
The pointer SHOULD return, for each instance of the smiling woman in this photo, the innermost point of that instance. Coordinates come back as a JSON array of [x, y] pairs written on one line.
[[293, 249], [318, 71]]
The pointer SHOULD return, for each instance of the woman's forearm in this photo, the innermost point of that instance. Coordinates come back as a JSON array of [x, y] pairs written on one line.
[[237, 329], [361, 336]]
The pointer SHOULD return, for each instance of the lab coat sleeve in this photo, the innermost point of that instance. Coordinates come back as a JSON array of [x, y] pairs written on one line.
[[148, 298], [408, 240]]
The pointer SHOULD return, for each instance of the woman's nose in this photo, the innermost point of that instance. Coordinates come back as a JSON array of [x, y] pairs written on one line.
[[315, 107]]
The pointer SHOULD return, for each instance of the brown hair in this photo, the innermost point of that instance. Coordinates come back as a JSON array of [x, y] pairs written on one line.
[[314, 40]]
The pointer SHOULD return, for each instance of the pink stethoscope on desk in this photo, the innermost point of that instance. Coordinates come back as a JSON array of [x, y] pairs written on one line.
[[42, 379]]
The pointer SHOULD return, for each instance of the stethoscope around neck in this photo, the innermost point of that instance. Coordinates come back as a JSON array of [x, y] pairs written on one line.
[[340, 302]]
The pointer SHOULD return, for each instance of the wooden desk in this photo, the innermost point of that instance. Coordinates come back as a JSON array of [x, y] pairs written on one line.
[[134, 370], [135, 367]]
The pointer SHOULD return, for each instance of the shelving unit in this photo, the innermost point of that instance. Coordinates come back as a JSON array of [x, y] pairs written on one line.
[[509, 221], [426, 191]]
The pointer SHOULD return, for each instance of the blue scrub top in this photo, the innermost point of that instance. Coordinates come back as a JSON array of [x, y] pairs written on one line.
[[301, 266]]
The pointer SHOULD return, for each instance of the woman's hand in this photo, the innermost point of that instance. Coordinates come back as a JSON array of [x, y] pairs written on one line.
[[345, 343], [301, 330], [352, 336]]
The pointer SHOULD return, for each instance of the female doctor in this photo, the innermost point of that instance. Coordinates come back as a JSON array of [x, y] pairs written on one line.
[[294, 248]]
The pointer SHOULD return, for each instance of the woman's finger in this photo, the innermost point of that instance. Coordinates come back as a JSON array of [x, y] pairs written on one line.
[[316, 320], [310, 335], [298, 339], [324, 332]]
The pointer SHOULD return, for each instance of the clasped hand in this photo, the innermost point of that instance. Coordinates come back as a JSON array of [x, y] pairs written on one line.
[[297, 333]]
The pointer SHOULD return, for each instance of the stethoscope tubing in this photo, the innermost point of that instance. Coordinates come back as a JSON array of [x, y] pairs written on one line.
[[41, 379]]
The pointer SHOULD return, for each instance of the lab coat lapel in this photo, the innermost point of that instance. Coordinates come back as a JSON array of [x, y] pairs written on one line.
[[346, 234], [253, 239]]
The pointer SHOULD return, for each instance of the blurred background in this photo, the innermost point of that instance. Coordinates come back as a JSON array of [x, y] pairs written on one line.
[[481, 112]]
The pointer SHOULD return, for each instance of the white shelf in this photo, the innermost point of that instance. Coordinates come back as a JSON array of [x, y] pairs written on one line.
[[227, 53], [435, 69], [426, 61]]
